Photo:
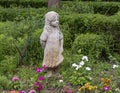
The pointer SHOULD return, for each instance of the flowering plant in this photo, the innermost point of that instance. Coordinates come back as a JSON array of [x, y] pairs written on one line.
[[15, 83], [87, 88], [80, 73], [106, 84], [38, 84]]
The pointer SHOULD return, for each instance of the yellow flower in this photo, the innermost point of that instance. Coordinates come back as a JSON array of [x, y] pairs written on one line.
[[82, 88], [107, 80], [95, 87], [87, 84], [90, 87], [102, 79]]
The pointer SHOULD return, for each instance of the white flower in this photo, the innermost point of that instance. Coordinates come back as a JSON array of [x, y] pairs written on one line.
[[74, 65], [90, 78], [115, 66], [88, 68], [85, 58], [60, 80], [78, 66], [82, 63]]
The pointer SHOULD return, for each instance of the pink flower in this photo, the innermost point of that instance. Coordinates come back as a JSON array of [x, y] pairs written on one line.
[[15, 78], [67, 90], [38, 86], [106, 88], [32, 91], [41, 78], [44, 67], [39, 70], [21, 92]]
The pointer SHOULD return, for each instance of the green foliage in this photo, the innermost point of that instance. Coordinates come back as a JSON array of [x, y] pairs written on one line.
[[83, 23], [35, 51], [76, 77], [106, 8], [91, 45], [3, 82], [19, 14], [28, 75], [67, 36], [15, 85], [78, 7], [5, 46], [23, 3], [8, 64]]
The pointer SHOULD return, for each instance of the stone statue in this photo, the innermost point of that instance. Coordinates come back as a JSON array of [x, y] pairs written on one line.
[[51, 40]]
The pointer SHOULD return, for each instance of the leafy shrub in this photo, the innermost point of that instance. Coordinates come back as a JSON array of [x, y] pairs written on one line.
[[19, 14], [3, 82], [90, 44], [106, 8], [77, 6], [35, 51], [67, 36], [83, 23], [8, 64], [23, 3], [5, 46]]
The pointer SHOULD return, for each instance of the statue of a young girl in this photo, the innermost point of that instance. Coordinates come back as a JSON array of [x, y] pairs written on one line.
[[51, 40]]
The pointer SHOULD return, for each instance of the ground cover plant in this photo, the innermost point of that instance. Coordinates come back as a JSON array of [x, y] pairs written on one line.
[[91, 48]]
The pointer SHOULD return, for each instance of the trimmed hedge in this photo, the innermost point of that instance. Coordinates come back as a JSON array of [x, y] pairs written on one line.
[[20, 13], [90, 0], [106, 8], [24, 3], [83, 23], [21, 35], [93, 45]]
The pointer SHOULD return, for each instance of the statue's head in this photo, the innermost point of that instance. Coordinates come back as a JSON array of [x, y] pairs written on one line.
[[52, 19]]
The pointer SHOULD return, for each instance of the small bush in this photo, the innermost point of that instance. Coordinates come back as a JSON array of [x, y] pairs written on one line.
[[3, 82], [5, 46], [35, 51], [23, 3], [90, 44], [8, 64]]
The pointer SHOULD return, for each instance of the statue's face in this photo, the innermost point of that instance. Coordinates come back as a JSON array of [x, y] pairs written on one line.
[[55, 22]]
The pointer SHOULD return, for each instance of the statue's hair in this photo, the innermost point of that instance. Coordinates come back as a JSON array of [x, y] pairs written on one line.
[[48, 18]]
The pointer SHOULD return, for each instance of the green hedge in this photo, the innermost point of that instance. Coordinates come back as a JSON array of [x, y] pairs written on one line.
[[21, 35], [20, 13], [106, 8], [23, 3], [90, 0], [93, 45], [83, 23]]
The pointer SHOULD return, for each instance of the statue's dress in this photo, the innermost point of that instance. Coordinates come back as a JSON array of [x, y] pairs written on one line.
[[53, 49]]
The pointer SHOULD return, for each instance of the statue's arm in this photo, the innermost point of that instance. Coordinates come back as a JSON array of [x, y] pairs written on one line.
[[43, 43], [61, 43], [43, 39]]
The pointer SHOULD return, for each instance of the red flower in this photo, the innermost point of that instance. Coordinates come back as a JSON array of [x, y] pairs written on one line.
[[41, 78], [38, 86], [106, 88]]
